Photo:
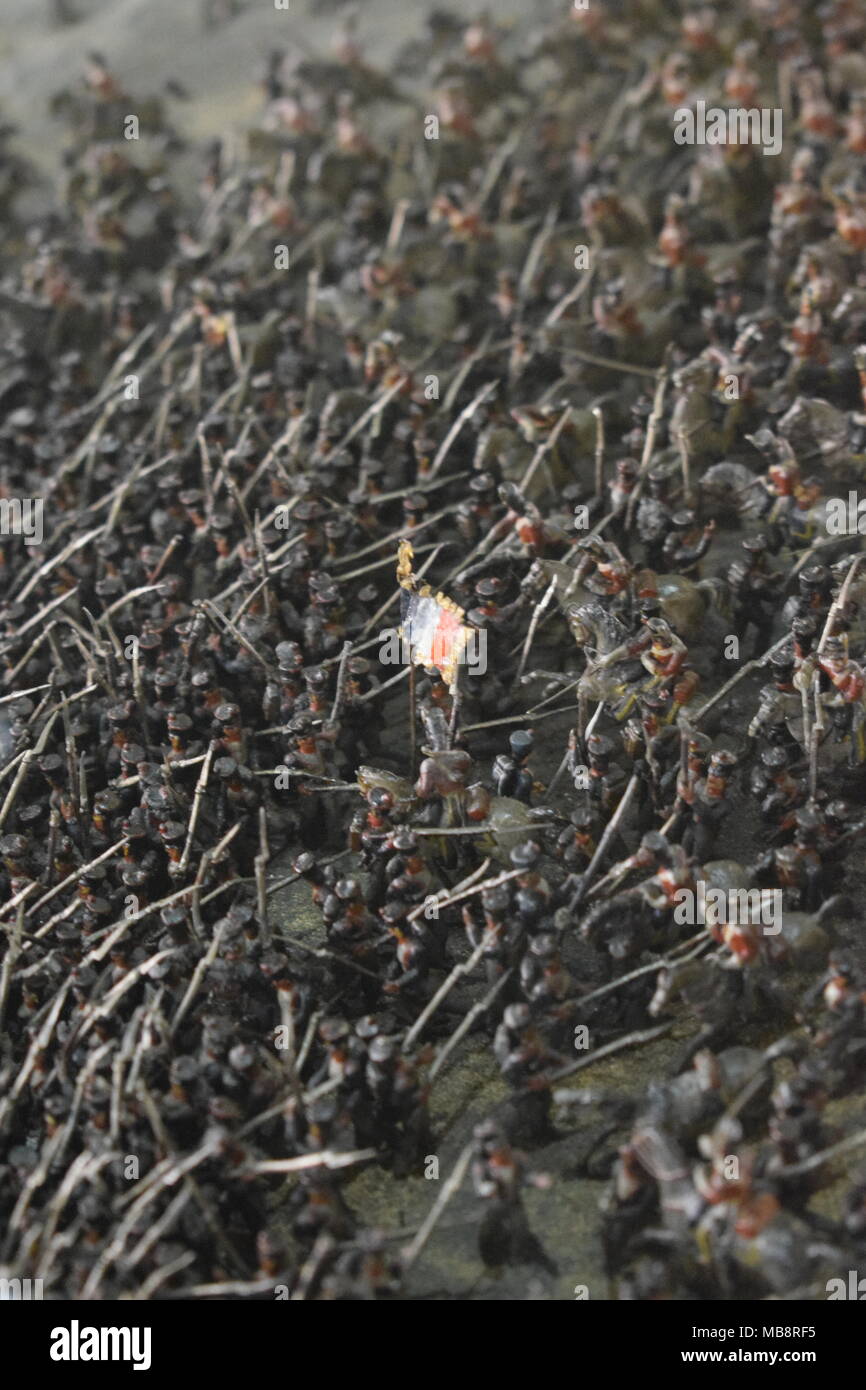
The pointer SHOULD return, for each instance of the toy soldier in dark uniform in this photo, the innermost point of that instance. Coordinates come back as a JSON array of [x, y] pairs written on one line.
[[525, 1059], [654, 517], [501, 931], [710, 806], [359, 717], [406, 872], [619, 492], [606, 778], [753, 589], [408, 973], [604, 570], [697, 753], [511, 776], [773, 783], [661, 743], [344, 1060], [353, 932], [848, 701], [686, 544], [576, 845], [796, 868], [532, 892], [547, 986], [399, 1103], [787, 498], [778, 703], [842, 990], [514, 1019], [498, 1174], [815, 584], [839, 829], [804, 634], [674, 869], [370, 832]]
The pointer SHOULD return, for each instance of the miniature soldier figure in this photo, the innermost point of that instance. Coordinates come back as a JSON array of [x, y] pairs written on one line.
[[848, 702], [576, 845], [547, 985], [524, 1059], [370, 833], [532, 891], [686, 544], [606, 778], [710, 806], [511, 776], [654, 516], [619, 492], [652, 743], [788, 498], [502, 933], [674, 871], [604, 570], [408, 973], [664, 656], [779, 704], [406, 872], [697, 754], [498, 1173], [815, 583], [753, 588], [773, 784], [796, 868]]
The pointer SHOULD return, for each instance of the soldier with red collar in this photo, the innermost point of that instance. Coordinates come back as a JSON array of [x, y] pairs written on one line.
[[576, 845], [501, 932], [664, 655], [606, 778], [842, 990], [779, 703], [543, 977], [796, 868], [604, 570], [408, 972], [849, 699], [674, 872], [773, 783], [621, 923], [498, 1175], [352, 930], [710, 806], [406, 870], [688, 781], [526, 1061], [815, 585], [788, 497], [686, 544], [661, 652]]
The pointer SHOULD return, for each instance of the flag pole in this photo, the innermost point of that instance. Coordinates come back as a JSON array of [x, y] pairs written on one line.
[[412, 719]]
